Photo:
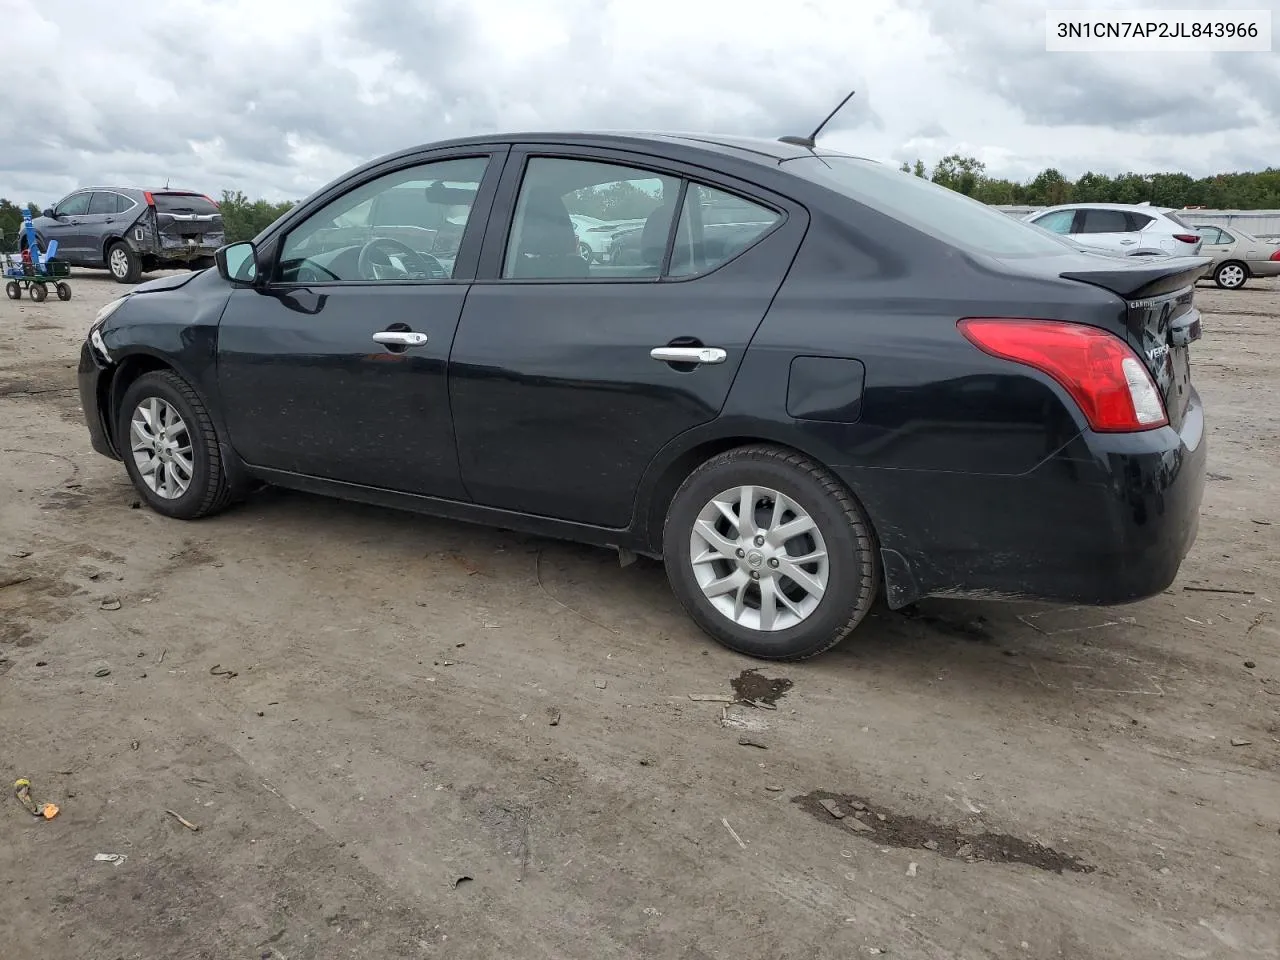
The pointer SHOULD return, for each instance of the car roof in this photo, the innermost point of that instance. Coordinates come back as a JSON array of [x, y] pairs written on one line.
[[1127, 207], [759, 149]]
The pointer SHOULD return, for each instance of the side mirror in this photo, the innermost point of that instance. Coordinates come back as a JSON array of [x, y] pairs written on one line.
[[238, 263], [47, 212]]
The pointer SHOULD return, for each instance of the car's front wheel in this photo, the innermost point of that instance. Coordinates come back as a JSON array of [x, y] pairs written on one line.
[[1231, 275], [124, 264], [770, 554], [170, 447]]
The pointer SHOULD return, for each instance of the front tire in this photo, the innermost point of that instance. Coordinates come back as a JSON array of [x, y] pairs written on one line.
[[770, 554], [170, 447], [124, 264], [13, 290], [1231, 275]]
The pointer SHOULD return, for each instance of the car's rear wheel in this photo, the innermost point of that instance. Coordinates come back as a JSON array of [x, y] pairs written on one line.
[[170, 447], [1231, 275], [124, 264], [770, 554], [584, 251]]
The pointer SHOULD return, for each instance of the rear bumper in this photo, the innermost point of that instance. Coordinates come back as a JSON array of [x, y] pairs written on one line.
[[1264, 268], [89, 376], [1106, 520]]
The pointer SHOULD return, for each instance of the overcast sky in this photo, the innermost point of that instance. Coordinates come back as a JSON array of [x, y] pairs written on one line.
[[276, 97]]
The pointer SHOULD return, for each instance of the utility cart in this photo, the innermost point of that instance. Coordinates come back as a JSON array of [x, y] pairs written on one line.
[[34, 271]]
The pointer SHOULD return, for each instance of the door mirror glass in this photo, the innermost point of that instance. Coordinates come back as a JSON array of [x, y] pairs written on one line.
[[47, 212], [238, 262]]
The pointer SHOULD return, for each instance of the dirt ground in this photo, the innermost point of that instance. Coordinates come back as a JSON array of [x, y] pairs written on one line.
[[359, 708]]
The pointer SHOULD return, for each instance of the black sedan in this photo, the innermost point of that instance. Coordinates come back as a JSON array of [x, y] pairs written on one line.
[[877, 387]]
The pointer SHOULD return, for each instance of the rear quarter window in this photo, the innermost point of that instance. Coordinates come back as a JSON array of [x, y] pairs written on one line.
[[186, 203], [941, 213]]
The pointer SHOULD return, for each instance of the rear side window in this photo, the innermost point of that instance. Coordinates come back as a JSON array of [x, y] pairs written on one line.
[[1105, 221], [1210, 234], [714, 228], [184, 203], [102, 203], [948, 216], [1138, 221]]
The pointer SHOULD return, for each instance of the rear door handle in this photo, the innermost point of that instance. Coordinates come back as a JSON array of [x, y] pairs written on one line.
[[1127, 242], [400, 338], [689, 354]]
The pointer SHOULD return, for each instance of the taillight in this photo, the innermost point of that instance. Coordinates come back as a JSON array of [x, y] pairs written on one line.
[[212, 202], [1276, 255], [146, 195], [1099, 370], [1188, 237]]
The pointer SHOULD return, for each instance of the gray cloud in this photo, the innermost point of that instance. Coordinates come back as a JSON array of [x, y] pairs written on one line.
[[276, 99]]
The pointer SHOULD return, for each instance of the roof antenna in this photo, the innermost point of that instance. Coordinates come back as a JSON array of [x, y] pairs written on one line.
[[811, 140]]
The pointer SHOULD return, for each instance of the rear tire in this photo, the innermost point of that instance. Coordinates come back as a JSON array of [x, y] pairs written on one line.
[[13, 290], [812, 612], [124, 264], [208, 489], [1231, 275], [64, 291]]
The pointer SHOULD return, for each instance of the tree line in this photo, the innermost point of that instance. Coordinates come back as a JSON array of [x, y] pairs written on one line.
[[1258, 190], [244, 218]]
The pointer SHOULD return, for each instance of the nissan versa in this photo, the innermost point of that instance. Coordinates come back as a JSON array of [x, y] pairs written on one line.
[[821, 380]]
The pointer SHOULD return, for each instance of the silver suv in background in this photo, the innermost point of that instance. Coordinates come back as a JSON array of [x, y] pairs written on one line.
[[1121, 228]]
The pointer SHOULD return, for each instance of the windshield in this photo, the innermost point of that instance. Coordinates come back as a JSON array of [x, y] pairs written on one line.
[[941, 213]]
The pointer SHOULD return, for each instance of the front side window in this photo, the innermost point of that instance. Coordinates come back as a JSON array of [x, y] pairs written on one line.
[[1058, 222], [636, 207], [406, 225], [76, 205], [715, 227]]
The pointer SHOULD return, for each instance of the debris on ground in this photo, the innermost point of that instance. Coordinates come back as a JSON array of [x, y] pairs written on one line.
[[752, 688], [912, 868], [711, 698], [773, 788], [22, 790], [890, 829], [20, 554], [183, 820], [601, 684], [109, 603], [104, 672], [134, 744], [1249, 664], [14, 581], [752, 742], [832, 808], [460, 880], [553, 717], [733, 833], [112, 858], [217, 671], [1240, 742], [1247, 593]]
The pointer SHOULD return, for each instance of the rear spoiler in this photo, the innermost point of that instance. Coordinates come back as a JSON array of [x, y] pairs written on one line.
[[1139, 281]]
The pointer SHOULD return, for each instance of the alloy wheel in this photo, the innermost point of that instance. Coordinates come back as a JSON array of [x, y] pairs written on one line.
[[759, 558], [1231, 275], [161, 447], [119, 263]]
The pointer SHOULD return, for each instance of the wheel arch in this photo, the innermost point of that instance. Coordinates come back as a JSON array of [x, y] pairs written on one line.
[[111, 241], [675, 462], [1233, 262], [128, 369]]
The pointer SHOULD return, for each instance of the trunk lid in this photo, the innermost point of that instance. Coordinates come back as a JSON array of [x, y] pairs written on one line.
[[1159, 316], [188, 218]]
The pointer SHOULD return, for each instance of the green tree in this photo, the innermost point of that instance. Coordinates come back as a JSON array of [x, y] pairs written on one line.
[[962, 174], [244, 219]]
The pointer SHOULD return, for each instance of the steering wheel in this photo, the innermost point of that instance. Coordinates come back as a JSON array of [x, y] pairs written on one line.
[[414, 265]]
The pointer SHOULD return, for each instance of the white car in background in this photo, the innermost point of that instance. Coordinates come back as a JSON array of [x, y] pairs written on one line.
[[595, 237], [1121, 228]]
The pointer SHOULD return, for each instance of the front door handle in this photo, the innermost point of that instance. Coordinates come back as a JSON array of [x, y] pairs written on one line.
[[1127, 242], [689, 354], [400, 338]]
